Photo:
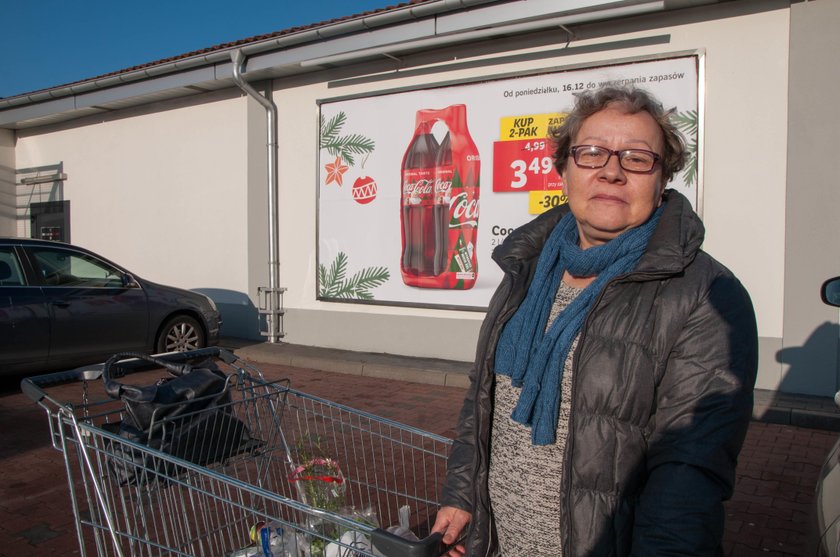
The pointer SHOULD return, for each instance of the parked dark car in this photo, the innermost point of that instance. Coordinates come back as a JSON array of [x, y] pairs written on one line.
[[827, 500], [63, 306]]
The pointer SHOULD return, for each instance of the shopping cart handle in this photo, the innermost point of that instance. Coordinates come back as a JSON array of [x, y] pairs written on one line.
[[34, 393], [182, 357], [33, 386], [389, 544]]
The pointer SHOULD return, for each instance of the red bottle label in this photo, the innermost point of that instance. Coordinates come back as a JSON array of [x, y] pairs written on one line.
[[418, 186]]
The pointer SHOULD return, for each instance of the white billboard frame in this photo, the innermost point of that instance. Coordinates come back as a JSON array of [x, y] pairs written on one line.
[[329, 245]]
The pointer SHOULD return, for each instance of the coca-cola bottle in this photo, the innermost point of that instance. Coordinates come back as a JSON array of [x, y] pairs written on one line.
[[443, 185], [440, 187], [418, 174]]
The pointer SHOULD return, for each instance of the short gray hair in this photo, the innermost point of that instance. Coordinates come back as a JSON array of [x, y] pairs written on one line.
[[633, 101]]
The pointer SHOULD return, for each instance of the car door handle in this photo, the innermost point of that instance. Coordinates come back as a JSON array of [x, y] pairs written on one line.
[[60, 303]]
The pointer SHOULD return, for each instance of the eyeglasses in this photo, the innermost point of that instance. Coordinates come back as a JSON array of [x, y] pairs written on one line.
[[631, 160]]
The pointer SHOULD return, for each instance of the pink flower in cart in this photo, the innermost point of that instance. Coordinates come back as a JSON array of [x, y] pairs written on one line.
[[320, 483], [315, 470]]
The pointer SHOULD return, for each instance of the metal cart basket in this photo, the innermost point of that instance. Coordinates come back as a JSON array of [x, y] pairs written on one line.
[[319, 480]]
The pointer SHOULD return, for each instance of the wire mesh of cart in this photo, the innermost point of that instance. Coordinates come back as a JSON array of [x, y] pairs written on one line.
[[316, 478]]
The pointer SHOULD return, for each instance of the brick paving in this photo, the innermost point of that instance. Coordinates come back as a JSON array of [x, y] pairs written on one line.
[[767, 516]]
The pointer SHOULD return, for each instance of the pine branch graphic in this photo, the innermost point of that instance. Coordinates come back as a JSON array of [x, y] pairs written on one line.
[[335, 276], [690, 172], [360, 284], [346, 146], [687, 123], [332, 284], [322, 276], [329, 132]]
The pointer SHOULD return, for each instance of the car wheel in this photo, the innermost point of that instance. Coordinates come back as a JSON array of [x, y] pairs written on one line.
[[179, 334]]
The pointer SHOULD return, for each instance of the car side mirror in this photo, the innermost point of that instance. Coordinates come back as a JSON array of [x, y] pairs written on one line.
[[830, 292], [128, 281]]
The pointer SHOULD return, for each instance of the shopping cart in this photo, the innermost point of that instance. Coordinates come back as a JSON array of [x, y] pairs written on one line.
[[319, 480]]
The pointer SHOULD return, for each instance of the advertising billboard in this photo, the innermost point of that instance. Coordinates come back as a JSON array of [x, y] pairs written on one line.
[[416, 188]]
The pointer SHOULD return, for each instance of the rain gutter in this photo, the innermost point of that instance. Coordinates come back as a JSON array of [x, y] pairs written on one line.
[[322, 33], [274, 309], [487, 32], [325, 33]]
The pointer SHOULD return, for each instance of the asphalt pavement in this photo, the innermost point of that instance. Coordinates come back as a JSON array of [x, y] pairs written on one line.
[[768, 514]]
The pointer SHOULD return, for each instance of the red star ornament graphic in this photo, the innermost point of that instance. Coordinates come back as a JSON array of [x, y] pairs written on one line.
[[335, 171]]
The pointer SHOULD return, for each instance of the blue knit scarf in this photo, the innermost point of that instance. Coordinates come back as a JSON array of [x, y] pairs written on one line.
[[534, 357]]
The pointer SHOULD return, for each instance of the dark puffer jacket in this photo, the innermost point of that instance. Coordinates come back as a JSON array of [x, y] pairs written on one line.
[[662, 397]]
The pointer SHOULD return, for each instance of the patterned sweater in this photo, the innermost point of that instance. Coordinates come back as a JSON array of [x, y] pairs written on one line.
[[525, 479]]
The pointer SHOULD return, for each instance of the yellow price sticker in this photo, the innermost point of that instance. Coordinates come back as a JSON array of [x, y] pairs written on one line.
[[531, 126], [541, 201]]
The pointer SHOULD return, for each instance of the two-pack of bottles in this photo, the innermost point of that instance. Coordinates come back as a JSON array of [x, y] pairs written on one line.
[[439, 202]]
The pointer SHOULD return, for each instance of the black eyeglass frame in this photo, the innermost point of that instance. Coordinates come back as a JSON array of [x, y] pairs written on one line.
[[656, 157]]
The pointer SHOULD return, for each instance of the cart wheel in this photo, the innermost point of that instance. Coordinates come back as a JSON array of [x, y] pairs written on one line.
[[180, 333]]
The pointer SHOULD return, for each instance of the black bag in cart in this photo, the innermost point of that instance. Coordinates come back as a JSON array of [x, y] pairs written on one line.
[[188, 415]]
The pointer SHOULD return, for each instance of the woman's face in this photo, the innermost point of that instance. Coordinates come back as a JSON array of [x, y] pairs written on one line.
[[607, 201]]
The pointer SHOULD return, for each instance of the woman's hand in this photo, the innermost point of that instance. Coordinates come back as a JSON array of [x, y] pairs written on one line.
[[450, 522]]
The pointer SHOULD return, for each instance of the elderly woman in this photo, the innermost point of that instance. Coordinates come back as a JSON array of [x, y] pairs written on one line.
[[612, 386]]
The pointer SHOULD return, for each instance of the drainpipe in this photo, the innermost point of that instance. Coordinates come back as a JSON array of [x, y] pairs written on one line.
[[274, 308]]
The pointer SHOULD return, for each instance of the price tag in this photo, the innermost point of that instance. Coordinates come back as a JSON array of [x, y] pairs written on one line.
[[541, 201], [530, 126], [524, 165]]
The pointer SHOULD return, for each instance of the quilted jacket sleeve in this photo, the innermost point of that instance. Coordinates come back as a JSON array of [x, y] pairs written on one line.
[[704, 404], [457, 491], [461, 474]]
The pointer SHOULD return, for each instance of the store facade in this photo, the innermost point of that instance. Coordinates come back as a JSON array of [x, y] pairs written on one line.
[[169, 172]]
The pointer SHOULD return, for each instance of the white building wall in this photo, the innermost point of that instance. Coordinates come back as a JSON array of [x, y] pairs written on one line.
[[176, 193], [162, 192], [743, 195], [808, 357], [7, 183]]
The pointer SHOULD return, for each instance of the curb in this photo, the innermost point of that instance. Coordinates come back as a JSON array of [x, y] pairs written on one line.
[[383, 366]]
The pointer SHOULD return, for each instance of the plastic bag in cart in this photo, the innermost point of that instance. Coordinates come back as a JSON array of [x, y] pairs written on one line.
[[274, 540], [352, 540]]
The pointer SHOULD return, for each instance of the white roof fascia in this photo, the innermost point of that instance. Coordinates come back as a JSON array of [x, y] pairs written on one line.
[[475, 18], [347, 44], [140, 88]]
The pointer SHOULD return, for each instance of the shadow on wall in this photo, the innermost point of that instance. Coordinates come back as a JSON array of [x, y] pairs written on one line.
[[813, 366], [240, 317]]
